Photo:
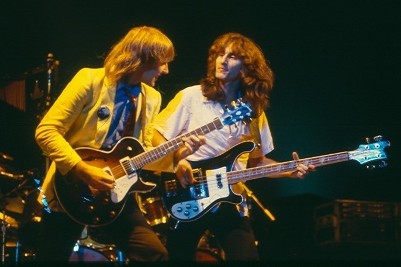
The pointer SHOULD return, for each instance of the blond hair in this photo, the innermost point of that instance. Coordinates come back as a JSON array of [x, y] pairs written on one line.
[[140, 46]]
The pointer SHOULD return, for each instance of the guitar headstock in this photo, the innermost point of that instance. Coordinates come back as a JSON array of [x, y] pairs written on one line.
[[371, 152], [239, 112]]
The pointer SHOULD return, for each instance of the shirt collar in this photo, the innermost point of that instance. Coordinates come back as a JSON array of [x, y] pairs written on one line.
[[133, 89]]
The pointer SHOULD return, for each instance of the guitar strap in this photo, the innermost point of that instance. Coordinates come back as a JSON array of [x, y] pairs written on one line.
[[239, 188], [130, 123], [133, 115], [254, 129], [143, 115]]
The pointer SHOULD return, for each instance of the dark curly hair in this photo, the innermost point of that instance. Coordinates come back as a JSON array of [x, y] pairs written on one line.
[[257, 76]]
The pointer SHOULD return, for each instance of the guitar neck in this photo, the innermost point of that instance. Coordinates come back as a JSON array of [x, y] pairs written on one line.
[[174, 144], [280, 168]]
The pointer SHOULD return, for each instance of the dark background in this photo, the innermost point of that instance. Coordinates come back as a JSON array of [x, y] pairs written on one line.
[[337, 67]]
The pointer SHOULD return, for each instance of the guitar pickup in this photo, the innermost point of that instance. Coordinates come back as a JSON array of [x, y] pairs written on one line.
[[170, 187], [128, 166]]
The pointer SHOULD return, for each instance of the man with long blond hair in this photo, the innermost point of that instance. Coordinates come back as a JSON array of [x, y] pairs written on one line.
[[92, 112], [236, 68]]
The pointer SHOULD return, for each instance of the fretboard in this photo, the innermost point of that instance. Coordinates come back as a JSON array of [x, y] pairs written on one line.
[[279, 168], [172, 145]]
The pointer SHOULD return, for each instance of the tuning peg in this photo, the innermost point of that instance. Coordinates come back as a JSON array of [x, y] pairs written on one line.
[[246, 121], [382, 164], [378, 138]]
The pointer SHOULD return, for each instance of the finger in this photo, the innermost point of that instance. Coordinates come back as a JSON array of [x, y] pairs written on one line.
[[198, 140], [183, 183], [181, 179], [295, 156], [189, 177], [107, 180], [302, 168], [190, 145], [180, 174], [202, 139]]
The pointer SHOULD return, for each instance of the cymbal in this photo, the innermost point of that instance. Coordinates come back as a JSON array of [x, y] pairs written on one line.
[[5, 158], [14, 205], [8, 171], [9, 220], [12, 244], [9, 175]]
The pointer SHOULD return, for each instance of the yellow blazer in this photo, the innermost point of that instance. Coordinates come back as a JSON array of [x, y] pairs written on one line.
[[73, 122]]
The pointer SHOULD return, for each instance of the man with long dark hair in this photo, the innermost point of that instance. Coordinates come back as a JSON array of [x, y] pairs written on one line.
[[236, 69]]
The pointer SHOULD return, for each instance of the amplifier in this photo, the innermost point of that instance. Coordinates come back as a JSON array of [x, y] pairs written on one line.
[[355, 221]]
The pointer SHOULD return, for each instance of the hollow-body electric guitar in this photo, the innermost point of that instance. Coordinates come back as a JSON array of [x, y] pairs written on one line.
[[214, 177], [124, 162]]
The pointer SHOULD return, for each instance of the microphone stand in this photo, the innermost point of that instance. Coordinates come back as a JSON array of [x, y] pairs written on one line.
[[52, 68], [3, 231], [254, 198]]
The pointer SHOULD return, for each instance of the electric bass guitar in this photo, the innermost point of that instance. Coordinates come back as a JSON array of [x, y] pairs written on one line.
[[124, 162], [214, 177]]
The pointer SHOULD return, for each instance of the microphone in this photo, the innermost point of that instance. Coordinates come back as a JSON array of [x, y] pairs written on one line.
[[50, 61], [52, 71]]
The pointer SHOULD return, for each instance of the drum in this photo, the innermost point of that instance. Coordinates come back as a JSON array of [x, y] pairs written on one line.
[[87, 254], [153, 208], [155, 212], [94, 252]]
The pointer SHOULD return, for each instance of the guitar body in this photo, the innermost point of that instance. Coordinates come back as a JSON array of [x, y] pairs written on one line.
[[100, 208], [211, 187]]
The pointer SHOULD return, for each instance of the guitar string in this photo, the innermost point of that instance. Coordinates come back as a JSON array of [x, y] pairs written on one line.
[[287, 166], [265, 170], [158, 152], [236, 114], [155, 153]]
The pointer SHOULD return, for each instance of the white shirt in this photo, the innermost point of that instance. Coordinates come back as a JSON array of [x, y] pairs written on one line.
[[189, 110]]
